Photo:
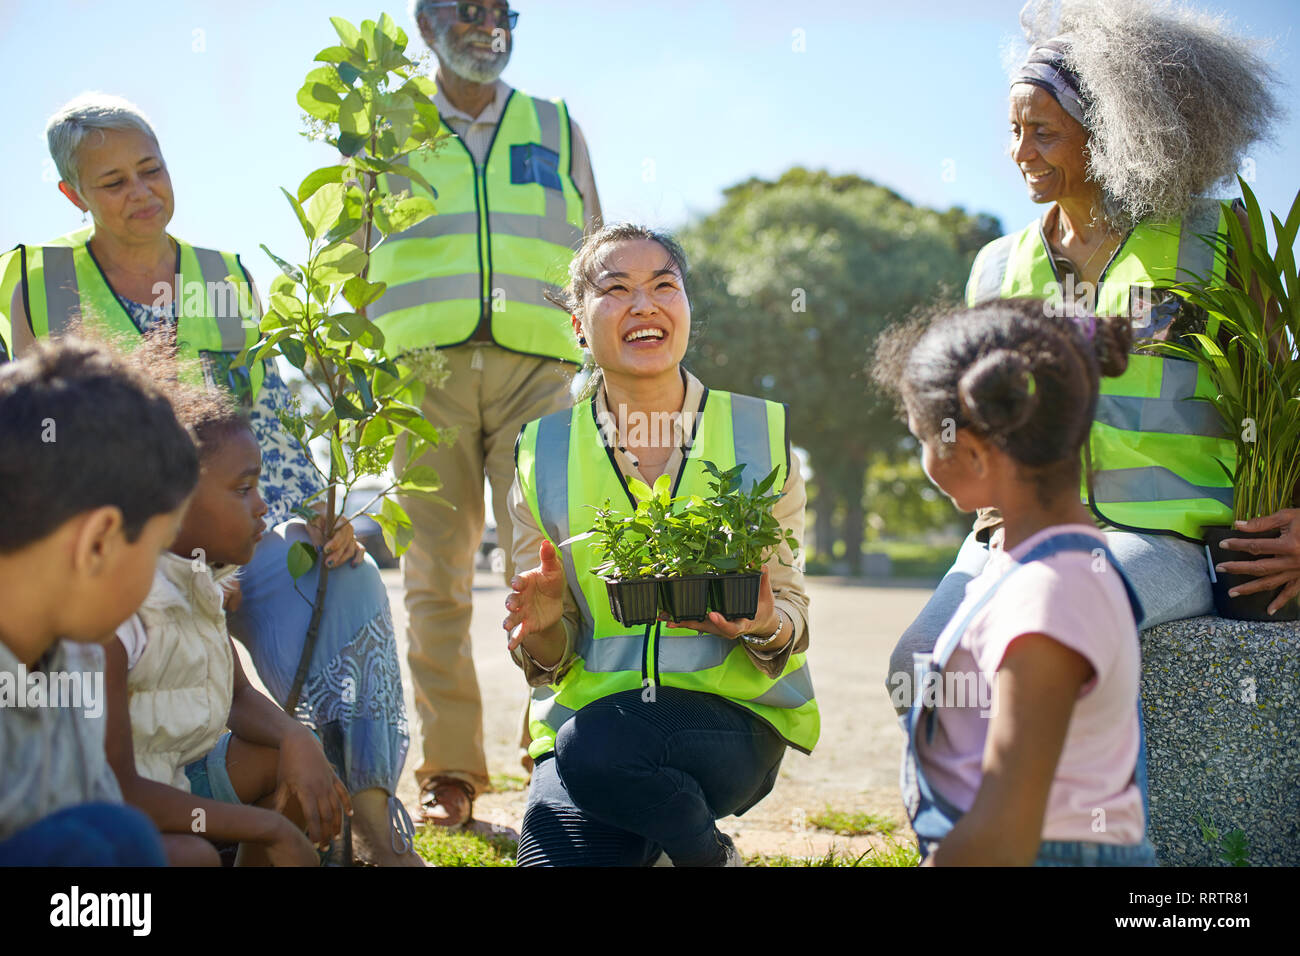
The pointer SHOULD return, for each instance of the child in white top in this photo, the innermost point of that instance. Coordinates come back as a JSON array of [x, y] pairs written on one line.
[[268, 780]]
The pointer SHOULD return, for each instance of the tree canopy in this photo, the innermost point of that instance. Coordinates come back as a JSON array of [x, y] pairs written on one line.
[[792, 282]]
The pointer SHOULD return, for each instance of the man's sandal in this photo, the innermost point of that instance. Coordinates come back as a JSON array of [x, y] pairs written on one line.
[[446, 802]]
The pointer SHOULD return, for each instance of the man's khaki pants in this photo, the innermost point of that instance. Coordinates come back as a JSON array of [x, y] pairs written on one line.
[[489, 395]]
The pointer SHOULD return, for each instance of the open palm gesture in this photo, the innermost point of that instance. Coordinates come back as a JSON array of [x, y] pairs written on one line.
[[536, 599]]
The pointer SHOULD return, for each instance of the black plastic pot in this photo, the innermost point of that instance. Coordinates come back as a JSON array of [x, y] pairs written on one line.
[[634, 602], [735, 596], [1245, 607], [685, 597]]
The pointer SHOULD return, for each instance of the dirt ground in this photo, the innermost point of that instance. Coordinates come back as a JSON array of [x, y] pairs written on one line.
[[853, 768]]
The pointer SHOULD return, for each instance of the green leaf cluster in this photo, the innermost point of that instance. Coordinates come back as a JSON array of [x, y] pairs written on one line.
[[1233, 846], [377, 109], [730, 530], [1249, 353]]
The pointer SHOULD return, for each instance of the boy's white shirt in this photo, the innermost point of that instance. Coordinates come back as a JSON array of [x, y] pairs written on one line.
[[180, 680]]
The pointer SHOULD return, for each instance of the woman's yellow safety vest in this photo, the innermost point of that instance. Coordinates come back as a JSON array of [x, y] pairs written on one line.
[[504, 233], [215, 316], [564, 465], [1158, 453]]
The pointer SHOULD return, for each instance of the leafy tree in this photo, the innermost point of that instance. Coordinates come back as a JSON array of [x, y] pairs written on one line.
[[370, 102], [901, 501], [792, 283]]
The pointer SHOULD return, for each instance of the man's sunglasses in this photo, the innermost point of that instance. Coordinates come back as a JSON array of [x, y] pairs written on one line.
[[476, 13]]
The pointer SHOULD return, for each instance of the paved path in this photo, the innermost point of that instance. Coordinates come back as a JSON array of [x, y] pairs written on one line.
[[854, 767]]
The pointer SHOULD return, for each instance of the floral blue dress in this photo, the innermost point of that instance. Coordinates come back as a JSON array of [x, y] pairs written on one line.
[[352, 696]]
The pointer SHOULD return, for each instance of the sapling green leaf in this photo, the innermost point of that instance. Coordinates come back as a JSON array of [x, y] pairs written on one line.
[[309, 230], [292, 271], [301, 558]]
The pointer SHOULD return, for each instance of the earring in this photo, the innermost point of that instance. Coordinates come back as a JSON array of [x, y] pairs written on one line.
[[582, 341], [83, 215]]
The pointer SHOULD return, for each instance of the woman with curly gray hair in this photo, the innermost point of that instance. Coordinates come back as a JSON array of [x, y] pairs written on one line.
[[1124, 116]]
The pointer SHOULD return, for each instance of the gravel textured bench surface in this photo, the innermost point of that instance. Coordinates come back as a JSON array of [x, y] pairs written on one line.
[[1222, 710]]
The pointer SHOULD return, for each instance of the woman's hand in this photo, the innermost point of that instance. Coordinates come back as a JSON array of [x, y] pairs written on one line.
[[344, 546], [306, 775], [536, 598], [763, 624], [1282, 570]]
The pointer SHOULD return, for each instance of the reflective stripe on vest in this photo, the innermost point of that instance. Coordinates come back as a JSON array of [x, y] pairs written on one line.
[[11, 277], [503, 236], [1156, 445], [64, 285], [564, 466]]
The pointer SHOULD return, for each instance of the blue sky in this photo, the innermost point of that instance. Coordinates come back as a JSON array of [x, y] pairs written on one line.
[[678, 100]]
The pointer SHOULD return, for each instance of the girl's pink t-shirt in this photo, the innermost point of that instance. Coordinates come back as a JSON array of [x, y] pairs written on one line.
[[1078, 599]]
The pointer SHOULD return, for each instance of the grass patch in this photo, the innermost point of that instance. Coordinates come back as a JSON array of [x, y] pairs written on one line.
[[508, 783], [852, 824], [892, 853], [458, 848]]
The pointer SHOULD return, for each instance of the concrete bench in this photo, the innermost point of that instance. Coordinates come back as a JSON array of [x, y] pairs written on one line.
[[1222, 710]]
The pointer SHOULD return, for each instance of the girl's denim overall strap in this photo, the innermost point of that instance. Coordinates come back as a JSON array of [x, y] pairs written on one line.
[[932, 816]]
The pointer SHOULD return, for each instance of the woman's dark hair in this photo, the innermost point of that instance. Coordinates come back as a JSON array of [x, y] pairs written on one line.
[[583, 270], [1010, 372], [81, 428]]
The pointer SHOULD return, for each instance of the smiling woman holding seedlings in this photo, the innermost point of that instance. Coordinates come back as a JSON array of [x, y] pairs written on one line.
[[643, 740]]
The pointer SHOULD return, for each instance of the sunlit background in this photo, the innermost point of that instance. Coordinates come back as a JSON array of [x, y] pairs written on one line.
[[679, 100]]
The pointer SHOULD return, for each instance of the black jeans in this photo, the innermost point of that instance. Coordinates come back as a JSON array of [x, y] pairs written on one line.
[[630, 778]]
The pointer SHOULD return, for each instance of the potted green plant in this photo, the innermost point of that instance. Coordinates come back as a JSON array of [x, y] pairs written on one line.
[[751, 532], [682, 539], [687, 554], [1249, 353], [685, 550], [622, 544], [685, 542]]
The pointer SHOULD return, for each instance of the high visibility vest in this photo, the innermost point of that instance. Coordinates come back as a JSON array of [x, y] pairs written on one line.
[[504, 233], [563, 465], [11, 264], [1157, 456], [62, 284], [11, 278]]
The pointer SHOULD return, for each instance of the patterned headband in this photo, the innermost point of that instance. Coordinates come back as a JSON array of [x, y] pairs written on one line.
[[1045, 67]]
